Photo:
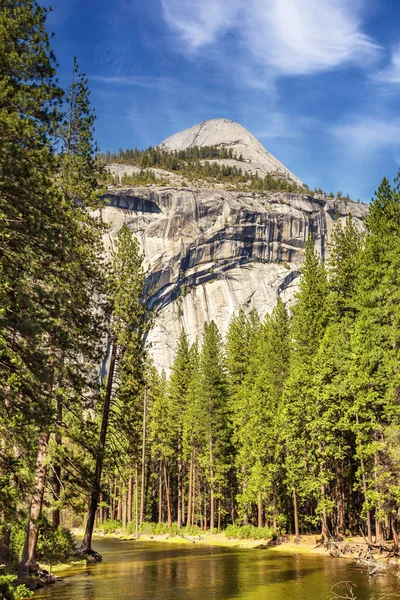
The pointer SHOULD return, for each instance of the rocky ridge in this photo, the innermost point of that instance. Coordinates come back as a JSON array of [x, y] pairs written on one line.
[[224, 133], [210, 252]]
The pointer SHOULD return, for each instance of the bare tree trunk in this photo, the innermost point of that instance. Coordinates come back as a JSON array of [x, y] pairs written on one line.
[[296, 515], [124, 506], [57, 468], [211, 487], [129, 507], [136, 499], [180, 499], [114, 500], [395, 535], [274, 524], [28, 561], [244, 486], [194, 491], [166, 483], [260, 511], [94, 498], [160, 495], [219, 508], [189, 510], [364, 483], [119, 509], [341, 503], [324, 524], [142, 486]]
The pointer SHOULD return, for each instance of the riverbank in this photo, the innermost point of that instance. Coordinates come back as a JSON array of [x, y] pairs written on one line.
[[354, 549]]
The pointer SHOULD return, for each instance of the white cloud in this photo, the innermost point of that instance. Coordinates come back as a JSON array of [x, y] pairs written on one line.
[[366, 136], [285, 37], [391, 74], [200, 22]]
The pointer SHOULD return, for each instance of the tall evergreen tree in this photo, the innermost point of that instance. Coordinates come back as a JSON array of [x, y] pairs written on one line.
[[129, 323], [308, 325]]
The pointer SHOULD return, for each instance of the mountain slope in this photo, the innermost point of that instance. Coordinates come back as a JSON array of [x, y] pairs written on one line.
[[211, 251], [223, 133]]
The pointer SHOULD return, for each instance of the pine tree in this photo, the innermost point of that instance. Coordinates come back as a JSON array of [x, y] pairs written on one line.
[[213, 413], [375, 372], [177, 392], [307, 329], [128, 327]]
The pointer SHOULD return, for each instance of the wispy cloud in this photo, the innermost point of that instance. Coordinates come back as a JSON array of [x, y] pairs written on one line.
[[200, 22], [139, 81], [364, 137], [285, 37], [279, 125], [390, 74]]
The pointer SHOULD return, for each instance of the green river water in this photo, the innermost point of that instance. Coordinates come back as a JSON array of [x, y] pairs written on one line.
[[160, 571]]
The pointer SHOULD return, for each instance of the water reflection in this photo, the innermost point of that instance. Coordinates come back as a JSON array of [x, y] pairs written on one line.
[[143, 571]]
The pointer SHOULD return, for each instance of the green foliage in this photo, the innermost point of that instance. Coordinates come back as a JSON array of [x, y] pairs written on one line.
[[250, 532], [147, 528], [8, 591], [192, 163], [111, 526], [55, 545]]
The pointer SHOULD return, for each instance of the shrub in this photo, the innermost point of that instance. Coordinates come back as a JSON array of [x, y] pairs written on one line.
[[147, 528], [55, 545], [249, 532], [8, 591], [131, 528], [161, 529], [192, 530], [174, 529], [110, 526]]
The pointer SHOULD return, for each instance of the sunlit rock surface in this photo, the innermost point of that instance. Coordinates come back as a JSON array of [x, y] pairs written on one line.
[[223, 133], [209, 252]]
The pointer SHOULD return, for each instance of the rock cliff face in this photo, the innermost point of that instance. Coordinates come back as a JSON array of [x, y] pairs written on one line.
[[211, 251]]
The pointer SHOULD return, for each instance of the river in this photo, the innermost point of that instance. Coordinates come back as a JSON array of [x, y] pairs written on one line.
[[160, 571]]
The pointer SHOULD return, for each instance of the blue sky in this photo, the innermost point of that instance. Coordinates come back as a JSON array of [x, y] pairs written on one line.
[[317, 81]]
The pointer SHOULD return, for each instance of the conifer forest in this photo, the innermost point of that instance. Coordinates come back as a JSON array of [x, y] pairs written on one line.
[[287, 425]]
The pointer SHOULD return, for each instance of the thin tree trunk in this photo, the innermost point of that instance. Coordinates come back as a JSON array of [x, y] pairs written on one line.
[[324, 524], [57, 468], [341, 503], [142, 486], [296, 515], [114, 500], [184, 520], [160, 495], [364, 483], [189, 510], [124, 511], [28, 561], [167, 491], [180, 500], [244, 486], [260, 511], [119, 509], [378, 521], [211, 487], [219, 509], [136, 499], [129, 507], [194, 491], [94, 498], [101, 513], [395, 535]]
